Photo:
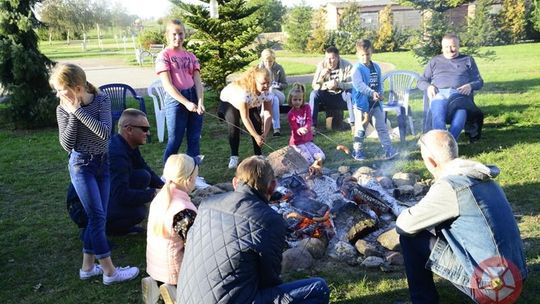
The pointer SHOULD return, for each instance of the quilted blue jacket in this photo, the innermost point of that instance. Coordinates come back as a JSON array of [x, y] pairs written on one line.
[[233, 249]]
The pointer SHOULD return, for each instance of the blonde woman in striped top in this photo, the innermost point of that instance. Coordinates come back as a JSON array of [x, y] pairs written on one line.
[[84, 124]]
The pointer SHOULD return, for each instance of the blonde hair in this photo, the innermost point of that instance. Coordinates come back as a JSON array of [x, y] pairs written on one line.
[[268, 53], [178, 169], [255, 172], [170, 24], [297, 89], [71, 75], [440, 144], [247, 80]]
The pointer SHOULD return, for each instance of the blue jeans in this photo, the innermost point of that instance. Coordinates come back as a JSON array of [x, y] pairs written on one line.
[[439, 106], [416, 250], [179, 120], [90, 177], [306, 291], [378, 115]]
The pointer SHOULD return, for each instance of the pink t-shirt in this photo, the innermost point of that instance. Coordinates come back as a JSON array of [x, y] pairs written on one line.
[[181, 64], [299, 118]]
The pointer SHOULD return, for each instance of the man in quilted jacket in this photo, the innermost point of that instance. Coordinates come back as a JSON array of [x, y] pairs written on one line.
[[233, 250]]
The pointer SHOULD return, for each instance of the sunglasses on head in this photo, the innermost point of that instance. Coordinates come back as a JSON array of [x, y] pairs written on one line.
[[145, 129]]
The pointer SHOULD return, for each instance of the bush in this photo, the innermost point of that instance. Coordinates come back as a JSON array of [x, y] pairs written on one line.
[[23, 69], [151, 37]]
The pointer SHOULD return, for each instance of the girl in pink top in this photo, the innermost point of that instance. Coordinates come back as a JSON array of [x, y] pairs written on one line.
[[300, 122], [179, 72], [171, 215]]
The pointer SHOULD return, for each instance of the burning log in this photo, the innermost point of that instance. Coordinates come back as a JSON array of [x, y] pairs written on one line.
[[351, 190]]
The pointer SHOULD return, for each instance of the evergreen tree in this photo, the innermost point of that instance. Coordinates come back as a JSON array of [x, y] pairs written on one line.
[[350, 29], [270, 14], [436, 25], [318, 41], [385, 41], [23, 69], [481, 30], [535, 15], [298, 27], [512, 18], [223, 45]]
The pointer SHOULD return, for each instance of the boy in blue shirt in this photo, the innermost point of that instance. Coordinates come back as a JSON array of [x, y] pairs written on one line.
[[367, 94]]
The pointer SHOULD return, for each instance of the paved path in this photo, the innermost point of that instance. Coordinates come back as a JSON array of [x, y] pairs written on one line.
[[100, 71]]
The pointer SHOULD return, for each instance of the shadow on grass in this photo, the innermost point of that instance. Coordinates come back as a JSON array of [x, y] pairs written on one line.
[[517, 85]]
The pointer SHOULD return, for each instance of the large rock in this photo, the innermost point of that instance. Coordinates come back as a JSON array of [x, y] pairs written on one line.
[[316, 247], [287, 161], [295, 259], [201, 194], [366, 248], [372, 262], [394, 258], [402, 178], [343, 251], [390, 240], [385, 181]]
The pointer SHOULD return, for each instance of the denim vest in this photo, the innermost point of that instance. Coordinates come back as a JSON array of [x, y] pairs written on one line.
[[485, 228]]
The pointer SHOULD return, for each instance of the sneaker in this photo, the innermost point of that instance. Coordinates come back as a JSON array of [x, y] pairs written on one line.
[[120, 275], [168, 293], [277, 132], [85, 275], [390, 154], [200, 183], [358, 155], [150, 291], [233, 162]]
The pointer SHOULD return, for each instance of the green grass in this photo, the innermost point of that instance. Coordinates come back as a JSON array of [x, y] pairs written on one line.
[[40, 248]]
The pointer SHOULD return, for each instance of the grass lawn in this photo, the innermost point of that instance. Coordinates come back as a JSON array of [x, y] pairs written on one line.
[[41, 252]]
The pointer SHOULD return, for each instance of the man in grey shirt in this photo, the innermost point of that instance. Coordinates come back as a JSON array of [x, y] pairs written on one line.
[[445, 77]]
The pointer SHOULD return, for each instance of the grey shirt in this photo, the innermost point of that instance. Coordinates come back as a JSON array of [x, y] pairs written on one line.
[[451, 73]]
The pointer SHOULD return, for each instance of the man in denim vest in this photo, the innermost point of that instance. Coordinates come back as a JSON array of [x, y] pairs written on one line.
[[462, 229]]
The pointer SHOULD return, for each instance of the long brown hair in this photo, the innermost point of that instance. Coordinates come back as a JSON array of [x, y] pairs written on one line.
[[71, 75], [247, 80]]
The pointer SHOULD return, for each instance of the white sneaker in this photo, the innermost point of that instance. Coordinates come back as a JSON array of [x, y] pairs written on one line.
[[150, 290], [85, 275], [233, 162], [120, 275], [200, 183], [168, 293]]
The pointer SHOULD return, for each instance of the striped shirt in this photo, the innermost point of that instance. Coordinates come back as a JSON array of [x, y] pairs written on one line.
[[88, 129]]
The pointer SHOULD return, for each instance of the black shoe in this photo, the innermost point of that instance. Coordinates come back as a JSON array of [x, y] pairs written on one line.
[[277, 133]]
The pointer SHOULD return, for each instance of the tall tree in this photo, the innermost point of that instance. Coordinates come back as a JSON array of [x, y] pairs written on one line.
[[436, 24], [385, 34], [23, 69], [298, 27], [223, 45], [481, 29], [513, 20], [318, 40], [535, 15], [350, 29], [270, 14]]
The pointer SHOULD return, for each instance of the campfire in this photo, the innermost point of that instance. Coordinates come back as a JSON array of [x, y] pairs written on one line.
[[345, 215]]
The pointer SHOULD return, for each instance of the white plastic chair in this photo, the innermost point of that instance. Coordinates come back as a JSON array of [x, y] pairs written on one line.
[[400, 85], [157, 92]]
